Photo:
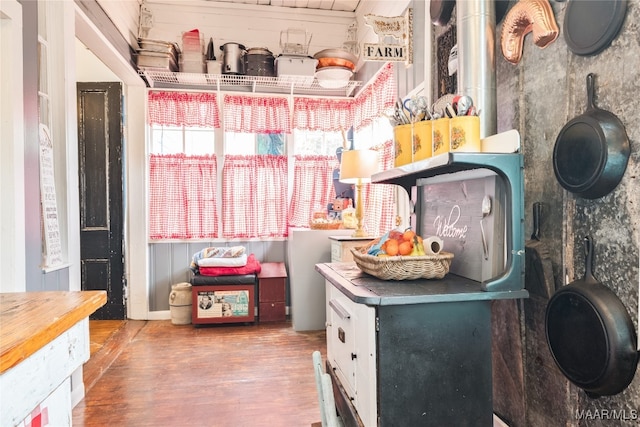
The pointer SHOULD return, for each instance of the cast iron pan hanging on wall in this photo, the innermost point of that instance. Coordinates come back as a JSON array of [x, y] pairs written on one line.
[[591, 151], [591, 25], [591, 335]]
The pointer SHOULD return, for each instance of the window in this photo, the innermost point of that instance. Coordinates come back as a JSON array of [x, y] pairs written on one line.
[[182, 197], [316, 142], [252, 143], [252, 190], [254, 196], [181, 139]]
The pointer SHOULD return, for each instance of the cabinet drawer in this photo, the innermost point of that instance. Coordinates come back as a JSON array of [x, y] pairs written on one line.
[[336, 251], [271, 289], [272, 312], [341, 249]]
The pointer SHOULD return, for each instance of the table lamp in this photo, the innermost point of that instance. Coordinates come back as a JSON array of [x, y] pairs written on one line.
[[356, 167]]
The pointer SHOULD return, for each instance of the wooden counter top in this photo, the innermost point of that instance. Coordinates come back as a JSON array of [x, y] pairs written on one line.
[[30, 320]]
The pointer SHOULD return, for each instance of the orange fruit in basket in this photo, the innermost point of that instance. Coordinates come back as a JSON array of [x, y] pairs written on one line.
[[408, 235], [405, 248], [391, 247]]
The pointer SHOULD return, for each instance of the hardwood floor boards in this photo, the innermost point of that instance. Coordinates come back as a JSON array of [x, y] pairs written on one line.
[[100, 331], [213, 376], [107, 340]]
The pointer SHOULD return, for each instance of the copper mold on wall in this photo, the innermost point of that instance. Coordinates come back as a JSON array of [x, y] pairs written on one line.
[[525, 17]]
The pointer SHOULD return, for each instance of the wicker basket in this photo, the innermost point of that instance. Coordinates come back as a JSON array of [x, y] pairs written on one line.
[[333, 225], [403, 267]]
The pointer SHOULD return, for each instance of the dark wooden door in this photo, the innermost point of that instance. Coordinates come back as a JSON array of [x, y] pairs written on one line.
[[100, 140]]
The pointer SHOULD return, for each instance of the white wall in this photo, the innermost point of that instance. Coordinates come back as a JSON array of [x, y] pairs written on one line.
[[124, 14], [12, 211], [250, 25]]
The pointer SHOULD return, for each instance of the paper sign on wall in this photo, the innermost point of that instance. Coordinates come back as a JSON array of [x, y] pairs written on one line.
[[52, 243], [395, 38]]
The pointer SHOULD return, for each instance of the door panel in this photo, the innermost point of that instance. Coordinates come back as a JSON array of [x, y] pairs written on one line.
[[101, 218]]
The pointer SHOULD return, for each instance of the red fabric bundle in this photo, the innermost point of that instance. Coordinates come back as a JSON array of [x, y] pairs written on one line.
[[253, 266]]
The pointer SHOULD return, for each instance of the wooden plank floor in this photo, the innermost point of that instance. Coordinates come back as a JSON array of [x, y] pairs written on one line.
[[100, 331], [214, 376]]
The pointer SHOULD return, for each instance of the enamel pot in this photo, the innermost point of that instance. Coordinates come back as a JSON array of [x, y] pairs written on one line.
[[590, 334], [591, 151]]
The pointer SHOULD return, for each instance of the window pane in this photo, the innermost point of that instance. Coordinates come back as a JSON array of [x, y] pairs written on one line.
[[239, 143], [271, 143], [199, 141], [166, 140], [316, 142]]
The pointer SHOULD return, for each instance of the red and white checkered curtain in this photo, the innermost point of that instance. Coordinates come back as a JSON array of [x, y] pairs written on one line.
[[183, 109], [380, 95], [378, 199], [256, 114], [328, 115], [254, 196], [312, 187], [182, 197]]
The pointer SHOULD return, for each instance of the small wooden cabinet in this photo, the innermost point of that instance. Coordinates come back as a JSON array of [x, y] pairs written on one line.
[[341, 247], [271, 292]]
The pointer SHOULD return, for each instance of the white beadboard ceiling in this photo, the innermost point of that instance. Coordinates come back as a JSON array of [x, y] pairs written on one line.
[[335, 5]]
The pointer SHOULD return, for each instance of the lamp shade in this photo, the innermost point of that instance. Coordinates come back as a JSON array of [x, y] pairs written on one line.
[[357, 166]]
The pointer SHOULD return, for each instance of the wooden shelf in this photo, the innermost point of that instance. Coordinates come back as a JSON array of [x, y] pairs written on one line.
[[292, 85]]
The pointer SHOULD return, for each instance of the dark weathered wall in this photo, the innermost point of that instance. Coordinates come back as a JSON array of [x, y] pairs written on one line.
[[537, 97]]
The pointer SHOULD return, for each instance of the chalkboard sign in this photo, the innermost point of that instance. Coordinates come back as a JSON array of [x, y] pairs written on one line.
[[466, 210], [52, 243]]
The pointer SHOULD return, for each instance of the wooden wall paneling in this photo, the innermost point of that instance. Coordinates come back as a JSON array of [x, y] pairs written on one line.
[[253, 27], [124, 15], [160, 272], [180, 272], [98, 16], [274, 251]]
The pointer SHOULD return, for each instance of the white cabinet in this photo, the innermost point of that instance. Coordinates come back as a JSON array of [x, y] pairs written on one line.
[[307, 248], [351, 351]]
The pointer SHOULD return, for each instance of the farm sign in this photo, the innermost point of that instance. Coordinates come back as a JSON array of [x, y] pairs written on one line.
[[395, 38]]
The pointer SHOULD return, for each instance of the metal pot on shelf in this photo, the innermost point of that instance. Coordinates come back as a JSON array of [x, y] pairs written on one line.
[[259, 61], [233, 58]]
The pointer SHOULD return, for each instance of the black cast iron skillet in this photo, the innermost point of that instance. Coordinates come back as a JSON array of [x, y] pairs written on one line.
[[591, 151], [591, 25], [591, 335]]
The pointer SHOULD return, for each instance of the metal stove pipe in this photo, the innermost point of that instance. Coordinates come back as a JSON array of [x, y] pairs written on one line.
[[476, 36]]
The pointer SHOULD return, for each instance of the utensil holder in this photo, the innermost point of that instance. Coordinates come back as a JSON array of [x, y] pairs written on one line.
[[403, 137], [422, 140], [465, 134], [441, 140]]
